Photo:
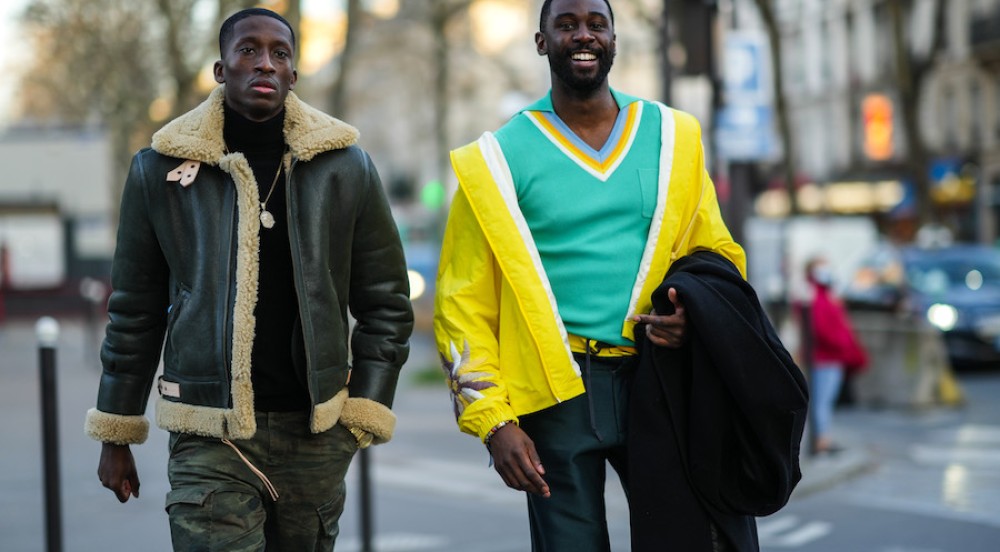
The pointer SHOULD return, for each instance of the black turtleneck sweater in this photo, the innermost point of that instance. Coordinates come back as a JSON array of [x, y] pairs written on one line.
[[279, 384]]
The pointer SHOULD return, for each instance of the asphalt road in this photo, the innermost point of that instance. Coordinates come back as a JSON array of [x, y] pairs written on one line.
[[908, 481]]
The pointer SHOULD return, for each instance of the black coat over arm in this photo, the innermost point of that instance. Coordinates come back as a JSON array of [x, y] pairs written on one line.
[[715, 425]]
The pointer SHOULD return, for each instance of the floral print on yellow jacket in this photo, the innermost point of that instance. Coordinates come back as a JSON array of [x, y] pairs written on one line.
[[496, 323]]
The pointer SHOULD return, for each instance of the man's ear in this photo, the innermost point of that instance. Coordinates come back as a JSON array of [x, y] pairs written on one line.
[[217, 71], [295, 78], [540, 44]]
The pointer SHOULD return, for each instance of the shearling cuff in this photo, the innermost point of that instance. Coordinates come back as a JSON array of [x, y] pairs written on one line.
[[371, 416], [116, 428], [325, 415]]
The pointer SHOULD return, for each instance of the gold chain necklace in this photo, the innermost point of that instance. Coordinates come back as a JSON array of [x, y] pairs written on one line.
[[266, 218]]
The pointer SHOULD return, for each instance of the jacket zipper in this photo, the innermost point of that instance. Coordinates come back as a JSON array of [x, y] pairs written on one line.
[[227, 352], [293, 239]]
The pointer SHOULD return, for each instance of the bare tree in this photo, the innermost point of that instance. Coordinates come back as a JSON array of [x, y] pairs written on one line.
[[104, 62], [441, 14], [766, 8], [338, 92], [85, 74], [911, 70], [660, 17], [183, 69]]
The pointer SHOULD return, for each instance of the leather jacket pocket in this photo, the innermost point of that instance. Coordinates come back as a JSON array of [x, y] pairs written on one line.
[[175, 309]]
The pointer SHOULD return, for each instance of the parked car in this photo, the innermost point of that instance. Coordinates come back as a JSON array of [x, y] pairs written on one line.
[[956, 287]]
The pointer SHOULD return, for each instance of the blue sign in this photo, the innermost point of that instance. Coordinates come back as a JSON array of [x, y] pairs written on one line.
[[745, 132], [746, 64]]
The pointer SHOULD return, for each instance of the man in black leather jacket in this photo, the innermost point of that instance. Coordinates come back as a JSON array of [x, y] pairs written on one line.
[[248, 231]]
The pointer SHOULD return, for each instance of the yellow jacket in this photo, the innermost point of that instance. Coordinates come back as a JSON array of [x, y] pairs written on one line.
[[496, 322]]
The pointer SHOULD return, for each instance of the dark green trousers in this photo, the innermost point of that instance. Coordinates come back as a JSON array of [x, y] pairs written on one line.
[[217, 503], [575, 441]]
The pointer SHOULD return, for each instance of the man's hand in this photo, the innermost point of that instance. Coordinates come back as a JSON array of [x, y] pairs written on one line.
[[517, 462], [117, 471], [666, 331]]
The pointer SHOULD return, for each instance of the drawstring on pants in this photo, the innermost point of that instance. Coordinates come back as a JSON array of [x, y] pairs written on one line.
[[267, 482], [580, 345], [590, 396]]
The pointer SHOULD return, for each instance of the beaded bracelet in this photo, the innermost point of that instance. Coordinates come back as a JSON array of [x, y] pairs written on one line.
[[493, 430]]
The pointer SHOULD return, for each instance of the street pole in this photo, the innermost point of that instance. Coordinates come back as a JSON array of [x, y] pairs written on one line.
[[47, 333], [808, 343], [366, 501]]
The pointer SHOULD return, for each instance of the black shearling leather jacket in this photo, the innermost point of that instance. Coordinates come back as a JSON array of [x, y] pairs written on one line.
[[185, 281]]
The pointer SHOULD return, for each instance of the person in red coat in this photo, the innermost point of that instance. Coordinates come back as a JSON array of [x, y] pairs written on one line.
[[835, 349]]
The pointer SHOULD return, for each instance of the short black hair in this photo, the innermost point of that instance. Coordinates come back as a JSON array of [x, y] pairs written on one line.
[[547, 7], [226, 31]]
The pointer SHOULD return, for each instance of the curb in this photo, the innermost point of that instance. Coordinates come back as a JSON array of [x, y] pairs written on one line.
[[822, 473]]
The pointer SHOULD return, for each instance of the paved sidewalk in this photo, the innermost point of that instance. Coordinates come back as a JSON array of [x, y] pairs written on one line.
[[92, 519]]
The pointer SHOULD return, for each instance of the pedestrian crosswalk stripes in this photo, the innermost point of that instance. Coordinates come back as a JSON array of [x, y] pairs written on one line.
[[481, 483], [769, 527], [988, 459], [396, 542], [443, 477], [463, 480], [948, 473], [790, 532]]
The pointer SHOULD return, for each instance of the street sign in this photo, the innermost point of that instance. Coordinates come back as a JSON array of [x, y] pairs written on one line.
[[746, 68], [744, 126], [745, 132]]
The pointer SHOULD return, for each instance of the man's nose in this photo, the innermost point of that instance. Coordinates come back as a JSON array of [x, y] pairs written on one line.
[[583, 34], [264, 62]]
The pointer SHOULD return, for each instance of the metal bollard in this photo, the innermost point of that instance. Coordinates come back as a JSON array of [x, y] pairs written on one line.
[[808, 341], [47, 333], [366, 501]]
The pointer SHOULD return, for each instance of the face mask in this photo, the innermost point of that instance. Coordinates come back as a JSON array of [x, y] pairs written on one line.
[[822, 275]]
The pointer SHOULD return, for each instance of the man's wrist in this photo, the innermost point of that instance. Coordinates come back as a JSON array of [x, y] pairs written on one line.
[[493, 431]]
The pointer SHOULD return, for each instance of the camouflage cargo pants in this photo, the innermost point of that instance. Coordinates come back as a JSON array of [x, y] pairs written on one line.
[[217, 502]]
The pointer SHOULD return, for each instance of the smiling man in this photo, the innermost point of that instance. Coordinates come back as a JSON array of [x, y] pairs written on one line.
[[247, 232], [564, 222]]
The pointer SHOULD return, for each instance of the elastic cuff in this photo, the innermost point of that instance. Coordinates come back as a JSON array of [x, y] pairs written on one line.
[[116, 428], [371, 416]]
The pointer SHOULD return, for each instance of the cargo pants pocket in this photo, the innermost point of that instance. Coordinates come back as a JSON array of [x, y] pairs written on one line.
[[210, 520]]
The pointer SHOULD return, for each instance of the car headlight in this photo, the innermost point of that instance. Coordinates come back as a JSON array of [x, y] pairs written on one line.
[[417, 284], [943, 316]]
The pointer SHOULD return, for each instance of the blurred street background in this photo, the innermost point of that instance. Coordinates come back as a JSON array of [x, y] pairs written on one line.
[[867, 131]]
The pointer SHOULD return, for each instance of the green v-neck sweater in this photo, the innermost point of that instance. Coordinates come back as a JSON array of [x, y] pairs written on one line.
[[588, 211]]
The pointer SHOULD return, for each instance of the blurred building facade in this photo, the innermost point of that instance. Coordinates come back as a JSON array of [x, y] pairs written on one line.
[[57, 219], [843, 89]]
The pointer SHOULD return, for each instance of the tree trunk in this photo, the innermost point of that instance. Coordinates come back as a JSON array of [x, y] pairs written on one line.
[[780, 104], [663, 54], [338, 93], [439, 20], [441, 14], [294, 17], [183, 76], [909, 76]]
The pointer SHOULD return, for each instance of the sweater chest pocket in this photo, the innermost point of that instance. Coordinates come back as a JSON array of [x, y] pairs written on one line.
[[648, 190]]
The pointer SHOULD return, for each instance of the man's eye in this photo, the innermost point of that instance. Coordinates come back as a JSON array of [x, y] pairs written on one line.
[[246, 50], [281, 54]]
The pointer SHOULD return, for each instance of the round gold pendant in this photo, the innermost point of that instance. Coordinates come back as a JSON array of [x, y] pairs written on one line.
[[267, 219]]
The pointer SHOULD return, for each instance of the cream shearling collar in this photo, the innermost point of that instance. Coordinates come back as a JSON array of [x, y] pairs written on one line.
[[197, 135]]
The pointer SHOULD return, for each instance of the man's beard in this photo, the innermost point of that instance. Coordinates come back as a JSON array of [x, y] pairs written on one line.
[[562, 66]]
